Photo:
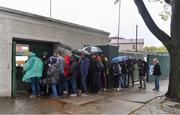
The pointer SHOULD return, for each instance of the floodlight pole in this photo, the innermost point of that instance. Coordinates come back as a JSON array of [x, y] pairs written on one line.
[[50, 8], [136, 37], [119, 19]]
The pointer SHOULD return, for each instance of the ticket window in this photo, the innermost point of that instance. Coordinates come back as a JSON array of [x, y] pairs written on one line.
[[21, 50], [21, 57]]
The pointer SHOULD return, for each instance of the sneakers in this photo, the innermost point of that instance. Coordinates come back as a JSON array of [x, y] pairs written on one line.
[[99, 91], [54, 97], [155, 89], [79, 90], [65, 92], [118, 89], [32, 96], [84, 94], [115, 89], [139, 87], [104, 89], [73, 95]]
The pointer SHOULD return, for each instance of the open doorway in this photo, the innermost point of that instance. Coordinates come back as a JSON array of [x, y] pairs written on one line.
[[18, 59]]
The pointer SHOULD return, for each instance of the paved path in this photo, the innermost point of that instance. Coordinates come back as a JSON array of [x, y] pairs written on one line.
[[126, 101]]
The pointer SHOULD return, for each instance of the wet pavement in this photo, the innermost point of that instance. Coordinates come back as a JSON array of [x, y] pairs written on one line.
[[126, 101]]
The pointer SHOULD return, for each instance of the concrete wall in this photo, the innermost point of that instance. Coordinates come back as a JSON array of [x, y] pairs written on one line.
[[27, 27]]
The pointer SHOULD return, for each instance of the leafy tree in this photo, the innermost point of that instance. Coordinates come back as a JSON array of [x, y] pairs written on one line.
[[155, 49], [172, 43], [166, 13]]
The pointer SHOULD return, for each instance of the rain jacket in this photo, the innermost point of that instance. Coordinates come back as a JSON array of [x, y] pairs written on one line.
[[84, 66], [116, 69], [74, 69], [142, 70], [33, 68], [53, 73], [157, 70], [67, 65]]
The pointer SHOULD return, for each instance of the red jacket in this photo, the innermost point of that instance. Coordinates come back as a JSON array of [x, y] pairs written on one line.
[[67, 65]]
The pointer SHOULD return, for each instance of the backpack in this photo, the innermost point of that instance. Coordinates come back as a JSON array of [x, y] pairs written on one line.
[[116, 69], [53, 60]]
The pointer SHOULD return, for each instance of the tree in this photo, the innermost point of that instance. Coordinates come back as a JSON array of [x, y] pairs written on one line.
[[171, 43], [161, 49]]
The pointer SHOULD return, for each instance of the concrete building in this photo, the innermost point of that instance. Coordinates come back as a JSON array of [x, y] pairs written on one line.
[[127, 44], [37, 33]]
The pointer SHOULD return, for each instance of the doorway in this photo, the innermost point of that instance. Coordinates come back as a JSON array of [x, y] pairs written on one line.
[[19, 47]]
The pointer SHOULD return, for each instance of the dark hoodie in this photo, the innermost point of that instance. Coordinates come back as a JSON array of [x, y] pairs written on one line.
[[45, 64], [74, 68]]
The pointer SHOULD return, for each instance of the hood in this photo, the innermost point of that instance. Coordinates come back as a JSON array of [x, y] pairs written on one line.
[[31, 54]]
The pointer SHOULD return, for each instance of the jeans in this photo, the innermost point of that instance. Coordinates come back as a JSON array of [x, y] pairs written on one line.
[[130, 74], [99, 81], [116, 81], [83, 82], [64, 83], [54, 90], [142, 78], [59, 85], [120, 81], [95, 82], [73, 82], [35, 86], [124, 76], [157, 82], [104, 80]]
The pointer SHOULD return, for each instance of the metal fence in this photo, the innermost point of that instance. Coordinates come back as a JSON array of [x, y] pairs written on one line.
[[164, 62]]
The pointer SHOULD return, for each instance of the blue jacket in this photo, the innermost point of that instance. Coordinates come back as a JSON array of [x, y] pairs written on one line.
[[84, 66]]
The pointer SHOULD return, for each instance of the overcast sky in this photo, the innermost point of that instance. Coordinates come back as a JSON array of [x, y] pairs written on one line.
[[99, 14]]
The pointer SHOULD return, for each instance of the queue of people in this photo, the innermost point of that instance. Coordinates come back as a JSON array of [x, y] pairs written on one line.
[[122, 72], [60, 74]]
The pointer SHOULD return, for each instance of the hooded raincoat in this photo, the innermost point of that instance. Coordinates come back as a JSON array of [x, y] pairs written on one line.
[[33, 68]]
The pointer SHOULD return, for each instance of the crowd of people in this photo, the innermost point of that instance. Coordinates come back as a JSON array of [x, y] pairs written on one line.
[[60, 74]]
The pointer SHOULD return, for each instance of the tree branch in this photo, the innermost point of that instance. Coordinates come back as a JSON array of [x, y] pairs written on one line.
[[161, 35], [168, 2]]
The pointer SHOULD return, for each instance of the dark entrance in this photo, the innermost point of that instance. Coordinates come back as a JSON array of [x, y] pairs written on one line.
[[19, 47]]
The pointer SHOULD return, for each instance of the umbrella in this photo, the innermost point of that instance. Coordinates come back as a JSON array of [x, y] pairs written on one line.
[[80, 51], [140, 62], [120, 59], [92, 49], [131, 60]]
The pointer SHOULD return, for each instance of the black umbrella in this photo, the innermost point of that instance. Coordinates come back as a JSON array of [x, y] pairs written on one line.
[[140, 62], [131, 61]]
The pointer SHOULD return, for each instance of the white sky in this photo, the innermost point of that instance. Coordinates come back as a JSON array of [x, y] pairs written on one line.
[[100, 14]]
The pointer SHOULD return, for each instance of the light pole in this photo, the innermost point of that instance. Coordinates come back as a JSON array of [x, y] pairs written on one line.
[[136, 37], [119, 21], [50, 8]]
